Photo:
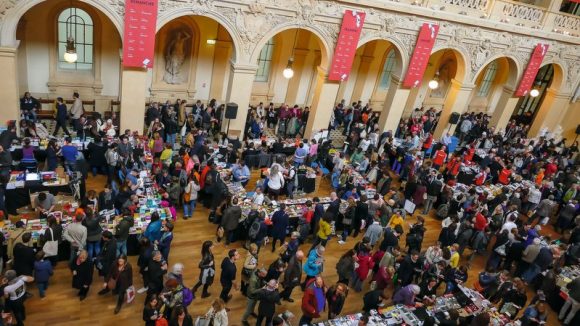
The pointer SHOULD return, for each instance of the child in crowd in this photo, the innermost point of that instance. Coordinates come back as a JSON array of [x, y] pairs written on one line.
[[42, 273]]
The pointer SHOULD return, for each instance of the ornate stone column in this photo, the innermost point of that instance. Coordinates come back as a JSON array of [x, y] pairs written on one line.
[[322, 103], [504, 108], [394, 105], [294, 82], [133, 94], [456, 100], [9, 86], [222, 54], [239, 91], [551, 111], [362, 77]]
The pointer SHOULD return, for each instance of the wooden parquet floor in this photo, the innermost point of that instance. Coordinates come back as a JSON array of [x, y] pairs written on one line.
[[62, 307]]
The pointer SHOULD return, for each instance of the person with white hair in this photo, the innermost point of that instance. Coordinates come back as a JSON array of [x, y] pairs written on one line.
[[406, 295], [268, 297], [176, 272]]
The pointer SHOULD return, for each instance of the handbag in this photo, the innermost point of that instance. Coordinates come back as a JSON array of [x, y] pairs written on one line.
[[500, 250], [202, 321], [112, 283], [50, 247]]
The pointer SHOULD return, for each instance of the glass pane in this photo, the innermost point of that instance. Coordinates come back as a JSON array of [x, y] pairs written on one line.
[[81, 53], [85, 16], [61, 32], [84, 66], [89, 53], [61, 50], [89, 34], [79, 34]]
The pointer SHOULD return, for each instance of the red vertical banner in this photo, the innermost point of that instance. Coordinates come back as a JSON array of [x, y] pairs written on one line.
[[352, 25], [421, 54], [139, 33], [532, 69]]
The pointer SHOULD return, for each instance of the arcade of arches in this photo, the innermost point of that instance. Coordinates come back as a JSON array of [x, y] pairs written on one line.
[[237, 54]]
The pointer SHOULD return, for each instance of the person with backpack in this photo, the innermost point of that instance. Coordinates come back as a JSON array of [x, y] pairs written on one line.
[[230, 220]]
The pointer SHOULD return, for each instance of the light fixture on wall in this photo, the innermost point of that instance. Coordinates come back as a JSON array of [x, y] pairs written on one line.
[[211, 41], [288, 72], [434, 83], [535, 90], [70, 55]]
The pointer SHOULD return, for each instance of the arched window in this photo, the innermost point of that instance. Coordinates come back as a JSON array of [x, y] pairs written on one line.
[[487, 80], [76, 23], [388, 68], [265, 61]]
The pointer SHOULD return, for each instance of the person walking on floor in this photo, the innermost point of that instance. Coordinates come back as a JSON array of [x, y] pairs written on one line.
[[228, 274], [207, 269], [257, 281], [313, 301], [292, 275], [268, 297], [280, 222], [82, 270]]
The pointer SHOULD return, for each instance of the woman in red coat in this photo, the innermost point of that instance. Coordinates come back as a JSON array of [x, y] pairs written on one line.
[[365, 264], [313, 301]]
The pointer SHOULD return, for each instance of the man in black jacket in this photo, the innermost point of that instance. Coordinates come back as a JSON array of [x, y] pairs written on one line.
[[257, 281], [228, 274], [108, 253], [434, 189], [24, 256], [361, 213], [292, 275], [408, 269], [268, 297], [156, 268]]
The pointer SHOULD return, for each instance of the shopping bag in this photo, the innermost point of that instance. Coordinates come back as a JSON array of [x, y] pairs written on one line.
[[130, 294]]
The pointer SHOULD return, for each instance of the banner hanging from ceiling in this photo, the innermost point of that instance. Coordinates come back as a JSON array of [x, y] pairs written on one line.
[[346, 45], [532, 69], [139, 33], [421, 54]]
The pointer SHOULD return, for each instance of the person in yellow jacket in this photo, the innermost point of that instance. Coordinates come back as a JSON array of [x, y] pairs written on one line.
[[324, 231], [395, 220], [454, 260]]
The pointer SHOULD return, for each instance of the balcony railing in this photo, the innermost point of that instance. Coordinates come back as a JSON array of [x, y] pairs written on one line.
[[508, 12]]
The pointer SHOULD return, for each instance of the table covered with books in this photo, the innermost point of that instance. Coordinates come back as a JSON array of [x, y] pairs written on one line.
[[466, 301], [21, 184], [558, 296]]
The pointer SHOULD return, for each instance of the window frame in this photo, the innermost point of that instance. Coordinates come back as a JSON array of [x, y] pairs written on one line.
[[71, 19], [387, 70], [265, 62], [487, 80]]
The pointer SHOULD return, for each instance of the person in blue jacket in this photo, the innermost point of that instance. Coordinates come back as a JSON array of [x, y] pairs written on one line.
[[280, 222], [314, 264], [153, 231], [165, 242]]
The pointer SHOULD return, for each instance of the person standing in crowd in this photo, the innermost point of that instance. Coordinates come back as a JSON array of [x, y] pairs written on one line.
[[228, 274], [230, 221], [217, 315], [42, 273], [314, 264], [336, 296], [82, 270], [122, 232], [280, 222], [313, 301], [76, 235], [24, 256], [572, 304], [256, 282], [292, 275], [268, 296], [77, 111]]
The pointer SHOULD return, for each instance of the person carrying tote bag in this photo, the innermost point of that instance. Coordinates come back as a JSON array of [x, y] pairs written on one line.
[[50, 247]]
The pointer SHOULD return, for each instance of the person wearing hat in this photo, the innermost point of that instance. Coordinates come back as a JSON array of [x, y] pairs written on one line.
[[15, 292], [268, 297], [256, 282]]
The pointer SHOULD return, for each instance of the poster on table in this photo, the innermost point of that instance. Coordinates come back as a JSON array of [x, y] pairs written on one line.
[[139, 33], [421, 54], [532, 69], [346, 45]]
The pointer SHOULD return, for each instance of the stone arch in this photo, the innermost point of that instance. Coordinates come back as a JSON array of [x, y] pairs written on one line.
[[462, 56], [513, 73], [170, 15], [323, 42], [13, 15], [559, 78], [402, 56]]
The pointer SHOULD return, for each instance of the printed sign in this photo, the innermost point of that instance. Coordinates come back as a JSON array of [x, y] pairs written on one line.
[[352, 25], [532, 69], [139, 33], [421, 54]]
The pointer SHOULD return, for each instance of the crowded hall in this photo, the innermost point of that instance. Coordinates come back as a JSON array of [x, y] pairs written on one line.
[[296, 162]]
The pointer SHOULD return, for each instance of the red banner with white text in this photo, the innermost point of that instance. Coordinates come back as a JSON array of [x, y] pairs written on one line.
[[139, 33], [532, 69], [352, 24], [421, 54]]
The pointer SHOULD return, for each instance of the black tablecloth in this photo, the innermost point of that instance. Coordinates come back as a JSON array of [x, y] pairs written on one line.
[[20, 197], [466, 178], [306, 184]]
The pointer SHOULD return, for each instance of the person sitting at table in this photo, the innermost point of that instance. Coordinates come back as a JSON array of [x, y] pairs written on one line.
[[5, 160], [231, 155], [241, 173], [44, 204], [28, 158], [356, 157], [278, 146], [108, 129]]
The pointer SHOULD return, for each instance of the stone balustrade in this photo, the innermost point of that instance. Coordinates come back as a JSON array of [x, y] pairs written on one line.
[[508, 12]]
